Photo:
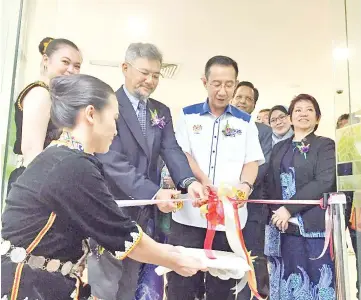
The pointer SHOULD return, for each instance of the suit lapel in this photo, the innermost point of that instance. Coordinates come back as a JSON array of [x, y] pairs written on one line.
[[127, 111], [150, 129], [303, 165]]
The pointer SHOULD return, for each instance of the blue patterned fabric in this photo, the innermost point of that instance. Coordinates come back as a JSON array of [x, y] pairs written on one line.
[[142, 116], [272, 245], [150, 285], [288, 183], [316, 234], [293, 275]]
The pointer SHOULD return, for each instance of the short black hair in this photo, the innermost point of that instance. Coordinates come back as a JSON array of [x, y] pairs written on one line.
[[250, 85], [220, 60], [306, 97]]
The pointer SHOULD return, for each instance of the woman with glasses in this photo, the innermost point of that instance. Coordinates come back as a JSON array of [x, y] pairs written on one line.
[[280, 124]]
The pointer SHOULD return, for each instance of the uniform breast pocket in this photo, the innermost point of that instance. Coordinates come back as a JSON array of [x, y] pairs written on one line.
[[233, 147]]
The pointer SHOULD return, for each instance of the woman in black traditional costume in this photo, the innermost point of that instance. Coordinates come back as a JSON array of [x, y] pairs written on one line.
[[34, 129], [61, 200]]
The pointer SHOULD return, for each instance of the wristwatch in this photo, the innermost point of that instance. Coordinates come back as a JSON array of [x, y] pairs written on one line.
[[249, 185], [185, 183]]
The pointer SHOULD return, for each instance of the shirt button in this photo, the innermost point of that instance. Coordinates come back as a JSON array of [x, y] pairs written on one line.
[[212, 167], [214, 151], [217, 122], [215, 136]]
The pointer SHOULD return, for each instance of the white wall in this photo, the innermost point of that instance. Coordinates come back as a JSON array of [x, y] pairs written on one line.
[[281, 50], [284, 48], [354, 44]]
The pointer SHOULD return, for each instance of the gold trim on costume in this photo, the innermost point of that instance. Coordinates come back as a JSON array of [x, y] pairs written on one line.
[[20, 266], [129, 246], [26, 90], [42, 233], [15, 288]]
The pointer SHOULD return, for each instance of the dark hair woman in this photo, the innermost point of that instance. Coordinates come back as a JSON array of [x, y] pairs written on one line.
[[280, 123], [62, 199], [34, 129], [302, 167]]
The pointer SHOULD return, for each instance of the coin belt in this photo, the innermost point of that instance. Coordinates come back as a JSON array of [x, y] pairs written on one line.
[[19, 255]]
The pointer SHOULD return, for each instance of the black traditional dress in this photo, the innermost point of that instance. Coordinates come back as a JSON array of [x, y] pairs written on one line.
[[52, 132], [59, 201]]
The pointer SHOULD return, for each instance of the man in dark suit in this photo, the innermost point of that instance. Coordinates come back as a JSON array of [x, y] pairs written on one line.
[[245, 98], [145, 132]]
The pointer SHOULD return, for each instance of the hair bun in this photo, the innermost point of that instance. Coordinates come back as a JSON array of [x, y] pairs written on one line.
[[44, 44]]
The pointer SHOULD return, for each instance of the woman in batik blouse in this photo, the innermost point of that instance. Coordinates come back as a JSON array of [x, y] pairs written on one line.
[[62, 199], [302, 167]]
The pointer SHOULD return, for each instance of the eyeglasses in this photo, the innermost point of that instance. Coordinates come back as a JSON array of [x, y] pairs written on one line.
[[280, 118], [226, 85], [239, 98], [147, 74]]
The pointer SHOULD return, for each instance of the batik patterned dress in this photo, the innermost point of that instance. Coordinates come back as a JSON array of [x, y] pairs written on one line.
[[150, 285], [293, 275]]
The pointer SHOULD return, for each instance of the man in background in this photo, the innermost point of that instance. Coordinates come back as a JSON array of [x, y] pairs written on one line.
[[263, 116], [245, 98]]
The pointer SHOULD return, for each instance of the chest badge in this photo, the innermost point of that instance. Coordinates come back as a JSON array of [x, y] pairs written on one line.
[[197, 129]]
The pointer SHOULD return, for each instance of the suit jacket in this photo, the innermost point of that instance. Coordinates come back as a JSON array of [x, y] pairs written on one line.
[[131, 165], [259, 212], [315, 175]]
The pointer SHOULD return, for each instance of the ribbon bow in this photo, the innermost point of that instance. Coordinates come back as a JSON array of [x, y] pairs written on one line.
[[222, 209]]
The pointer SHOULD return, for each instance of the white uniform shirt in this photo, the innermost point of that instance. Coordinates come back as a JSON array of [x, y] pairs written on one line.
[[220, 146]]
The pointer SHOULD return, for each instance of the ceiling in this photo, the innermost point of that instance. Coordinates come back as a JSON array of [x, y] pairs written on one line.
[[283, 46]]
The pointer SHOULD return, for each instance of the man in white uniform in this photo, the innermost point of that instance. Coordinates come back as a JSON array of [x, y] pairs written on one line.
[[222, 146]]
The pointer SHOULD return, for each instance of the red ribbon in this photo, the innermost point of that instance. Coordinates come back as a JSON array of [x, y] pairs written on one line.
[[215, 216]]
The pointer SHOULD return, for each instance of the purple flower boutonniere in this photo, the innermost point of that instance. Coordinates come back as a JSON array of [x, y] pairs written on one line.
[[303, 148], [156, 120], [229, 131]]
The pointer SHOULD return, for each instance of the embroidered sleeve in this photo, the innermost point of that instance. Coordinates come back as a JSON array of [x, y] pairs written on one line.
[[130, 243]]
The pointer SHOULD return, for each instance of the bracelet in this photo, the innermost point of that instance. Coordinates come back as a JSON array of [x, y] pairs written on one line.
[[249, 185]]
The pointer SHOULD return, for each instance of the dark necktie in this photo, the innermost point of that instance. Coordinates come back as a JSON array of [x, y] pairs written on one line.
[[142, 116]]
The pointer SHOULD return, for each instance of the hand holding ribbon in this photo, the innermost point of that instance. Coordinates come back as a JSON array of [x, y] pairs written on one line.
[[222, 209], [164, 194]]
